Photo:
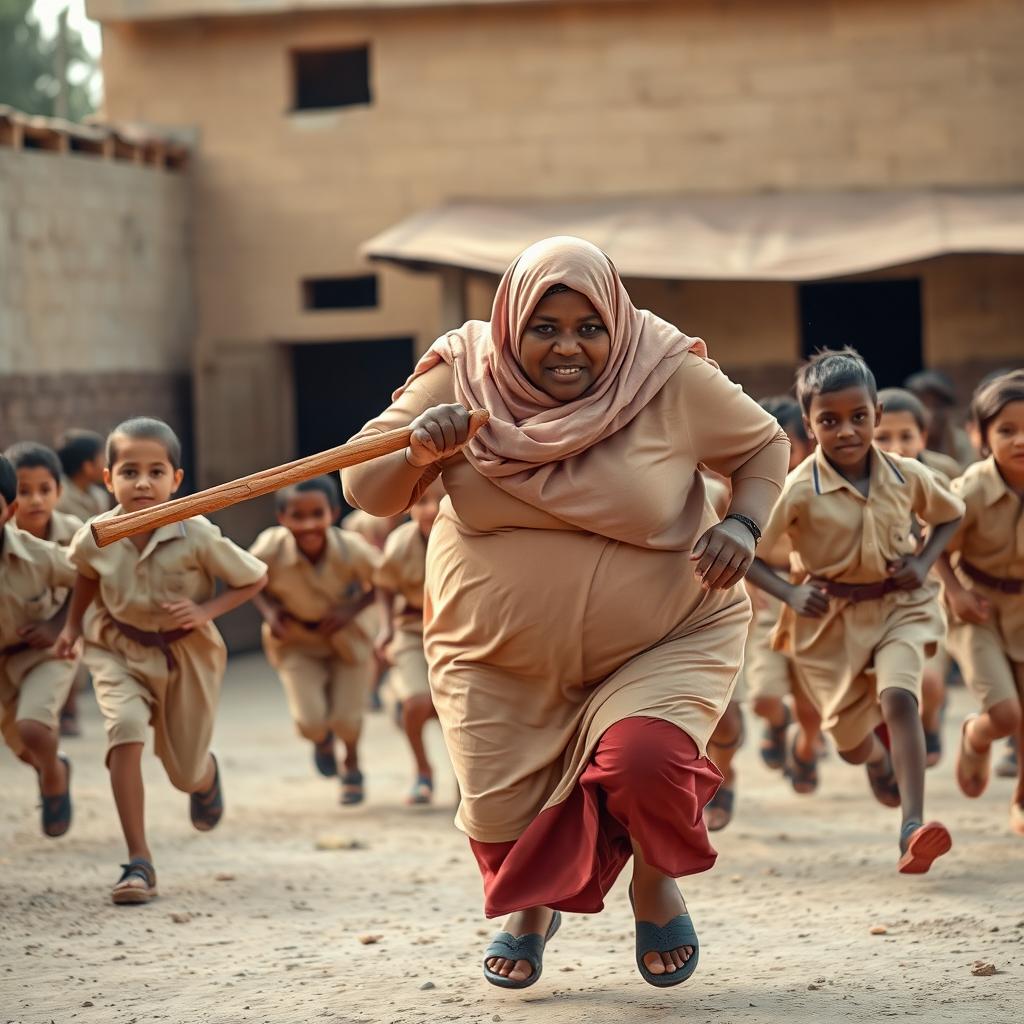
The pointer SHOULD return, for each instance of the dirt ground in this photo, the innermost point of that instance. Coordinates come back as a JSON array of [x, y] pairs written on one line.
[[257, 924]]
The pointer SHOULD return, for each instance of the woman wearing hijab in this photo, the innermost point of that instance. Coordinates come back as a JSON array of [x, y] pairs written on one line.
[[583, 622]]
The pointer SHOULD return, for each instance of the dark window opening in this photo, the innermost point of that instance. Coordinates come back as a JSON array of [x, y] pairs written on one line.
[[880, 319], [340, 292], [331, 78]]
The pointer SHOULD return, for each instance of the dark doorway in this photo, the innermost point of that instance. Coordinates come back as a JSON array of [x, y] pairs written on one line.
[[339, 385], [880, 319]]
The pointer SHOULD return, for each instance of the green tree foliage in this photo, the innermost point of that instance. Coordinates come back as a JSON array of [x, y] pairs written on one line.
[[29, 63]]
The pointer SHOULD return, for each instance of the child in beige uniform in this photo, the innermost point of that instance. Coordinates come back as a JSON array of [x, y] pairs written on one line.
[[83, 458], [39, 495], [399, 579], [155, 655], [984, 586], [860, 624], [903, 429], [320, 578], [34, 683]]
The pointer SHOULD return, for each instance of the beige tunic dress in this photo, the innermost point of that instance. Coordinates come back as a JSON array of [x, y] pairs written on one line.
[[135, 686], [35, 576], [840, 535], [326, 679], [991, 537], [540, 635], [403, 572]]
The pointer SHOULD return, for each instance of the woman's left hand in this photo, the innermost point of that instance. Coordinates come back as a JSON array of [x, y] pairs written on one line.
[[723, 555]]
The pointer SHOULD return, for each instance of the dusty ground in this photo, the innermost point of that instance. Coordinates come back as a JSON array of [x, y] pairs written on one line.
[[784, 917]]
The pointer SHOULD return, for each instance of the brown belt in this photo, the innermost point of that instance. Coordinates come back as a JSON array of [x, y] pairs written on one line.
[[161, 640], [992, 582], [854, 592], [17, 648]]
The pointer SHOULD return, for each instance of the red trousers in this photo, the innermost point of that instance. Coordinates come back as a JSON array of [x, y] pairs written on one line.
[[646, 780]]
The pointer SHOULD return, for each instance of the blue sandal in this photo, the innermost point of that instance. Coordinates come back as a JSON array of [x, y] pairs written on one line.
[[523, 947], [650, 938], [131, 895], [324, 757], [57, 809], [422, 792], [352, 791]]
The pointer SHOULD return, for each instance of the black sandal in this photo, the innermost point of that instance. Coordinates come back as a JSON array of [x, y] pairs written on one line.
[[723, 800], [352, 789], [773, 742], [520, 947], [324, 757], [802, 775], [933, 747], [57, 809], [206, 809], [123, 894]]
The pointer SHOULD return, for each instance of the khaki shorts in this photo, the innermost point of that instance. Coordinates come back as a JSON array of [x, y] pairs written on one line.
[[325, 693], [987, 671], [765, 672], [33, 688], [409, 676]]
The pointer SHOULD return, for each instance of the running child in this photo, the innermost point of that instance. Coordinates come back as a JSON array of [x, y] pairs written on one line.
[[320, 578], [862, 619], [34, 682], [40, 491], [399, 581], [984, 587], [903, 429], [157, 659], [83, 458], [769, 675]]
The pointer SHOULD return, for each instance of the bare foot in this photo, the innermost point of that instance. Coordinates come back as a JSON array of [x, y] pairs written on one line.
[[524, 922], [658, 900]]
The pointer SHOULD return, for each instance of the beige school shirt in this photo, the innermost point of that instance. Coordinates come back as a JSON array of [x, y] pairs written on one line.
[[991, 537], [82, 504], [34, 579], [183, 560], [309, 592], [403, 570], [838, 534]]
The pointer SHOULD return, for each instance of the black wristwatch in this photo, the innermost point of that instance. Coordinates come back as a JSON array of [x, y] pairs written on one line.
[[749, 524]]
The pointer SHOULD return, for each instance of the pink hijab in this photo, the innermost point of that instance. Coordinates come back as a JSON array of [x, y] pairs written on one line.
[[528, 428]]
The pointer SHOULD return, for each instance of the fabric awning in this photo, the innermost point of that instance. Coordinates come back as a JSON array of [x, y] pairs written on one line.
[[767, 237]]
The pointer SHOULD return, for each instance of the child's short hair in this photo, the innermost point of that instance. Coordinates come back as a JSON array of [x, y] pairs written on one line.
[[935, 382], [32, 455], [321, 484], [787, 412], [990, 399], [77, 447], [901, 400], [144, 428], [8, 481], [831, 370]]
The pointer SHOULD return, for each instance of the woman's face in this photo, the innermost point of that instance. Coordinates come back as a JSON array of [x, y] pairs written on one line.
[[565, 346]]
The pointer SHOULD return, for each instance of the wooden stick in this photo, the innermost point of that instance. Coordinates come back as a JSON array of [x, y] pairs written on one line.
[[108, 531]]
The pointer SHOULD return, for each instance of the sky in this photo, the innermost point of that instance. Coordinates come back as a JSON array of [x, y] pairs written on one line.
[[47, 11]]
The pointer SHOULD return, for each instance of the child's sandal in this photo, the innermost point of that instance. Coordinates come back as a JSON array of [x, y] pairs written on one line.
[[352, 790], [932, 747], [720, 807], [126, 891], [773, 743], [972, 768], [883, 784], [921, 845], [56, 810], [324, 757], [802, 775], [206, 809], [422, 791]]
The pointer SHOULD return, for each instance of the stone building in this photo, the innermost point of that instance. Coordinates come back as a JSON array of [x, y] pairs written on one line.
[[776, 176], [96, 308]]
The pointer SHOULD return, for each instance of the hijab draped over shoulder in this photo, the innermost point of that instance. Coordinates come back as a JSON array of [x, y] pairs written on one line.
[[529, 431]]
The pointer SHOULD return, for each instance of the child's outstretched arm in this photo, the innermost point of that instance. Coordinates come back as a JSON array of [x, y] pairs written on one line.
[[186, 614], [82, 596], [804, 598]]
